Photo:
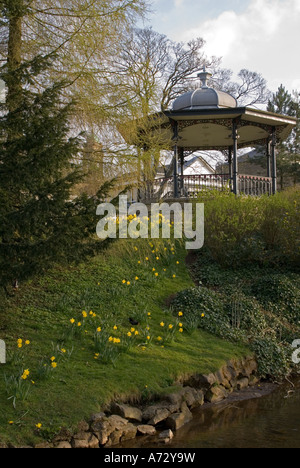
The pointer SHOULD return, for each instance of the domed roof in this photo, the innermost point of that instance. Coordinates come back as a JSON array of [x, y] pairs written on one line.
[[204, 97]]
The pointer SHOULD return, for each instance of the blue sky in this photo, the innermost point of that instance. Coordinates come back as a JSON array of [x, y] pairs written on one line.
[[178, 14], [261, 35]]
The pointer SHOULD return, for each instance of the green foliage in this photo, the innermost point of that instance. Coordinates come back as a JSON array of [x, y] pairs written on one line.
[[256, 306], [280, 294], [91, 370], [260, 231], [40, 223], [273, 359]]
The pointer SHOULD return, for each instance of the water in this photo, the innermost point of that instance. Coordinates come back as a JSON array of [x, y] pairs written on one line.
[[271, 421]]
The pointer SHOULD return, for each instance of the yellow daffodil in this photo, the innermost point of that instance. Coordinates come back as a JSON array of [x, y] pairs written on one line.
[[84, 314], [171, 326], [180, 314], [38, 425], [162, 324], [72, 321], [54, 365]]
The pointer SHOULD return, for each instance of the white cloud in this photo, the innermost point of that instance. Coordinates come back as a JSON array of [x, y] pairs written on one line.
[[263, 38]]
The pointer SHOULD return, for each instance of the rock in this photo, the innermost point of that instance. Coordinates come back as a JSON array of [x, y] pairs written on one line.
[[160, 415], [105, 426], [127, 412], [114, 438], [65, 445], [201, 381], [216, 394], [64, 435], [85, 440], [193, 397], [93, 442], [231, 373], [80, 444], [129, 432], [166, 436], [146, 429], [177, 420], [242, 383], [97, 417], [253, 380], [175, 399], [250, 366], [43, 445], [83, 426]]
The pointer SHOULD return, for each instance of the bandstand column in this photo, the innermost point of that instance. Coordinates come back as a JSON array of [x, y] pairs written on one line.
[[274, 162], [175, 174], [230, 165], [268, 159], [181, 156], [235, 158]]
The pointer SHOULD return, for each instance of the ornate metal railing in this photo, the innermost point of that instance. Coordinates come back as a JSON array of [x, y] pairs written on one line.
[[190, 186], [255, 185]]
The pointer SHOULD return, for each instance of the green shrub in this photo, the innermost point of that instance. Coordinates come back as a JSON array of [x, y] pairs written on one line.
[[272, 358], [280, 227], [231, 227], [280, 294], [263, 231]]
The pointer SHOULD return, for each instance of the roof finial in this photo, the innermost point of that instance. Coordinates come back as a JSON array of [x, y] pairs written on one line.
[[204, 77]]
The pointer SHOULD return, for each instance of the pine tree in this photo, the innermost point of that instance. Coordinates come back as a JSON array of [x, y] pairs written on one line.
[[39, 222], [288, 160]]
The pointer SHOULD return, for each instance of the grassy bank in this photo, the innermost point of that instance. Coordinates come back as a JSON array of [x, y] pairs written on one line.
[[71, 347]]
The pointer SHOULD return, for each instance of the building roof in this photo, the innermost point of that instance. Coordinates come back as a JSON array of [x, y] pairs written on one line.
[[204, 97]]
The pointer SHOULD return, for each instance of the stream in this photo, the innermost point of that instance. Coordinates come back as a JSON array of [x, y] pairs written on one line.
[[270, 421]]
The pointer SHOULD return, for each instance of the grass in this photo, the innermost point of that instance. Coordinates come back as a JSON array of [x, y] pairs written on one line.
[[130, 279]]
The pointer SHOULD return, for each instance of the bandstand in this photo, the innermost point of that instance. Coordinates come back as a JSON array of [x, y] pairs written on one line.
[[207, 119]]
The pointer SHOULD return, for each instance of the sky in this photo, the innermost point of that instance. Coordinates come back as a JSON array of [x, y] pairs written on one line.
[[260, 35]]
